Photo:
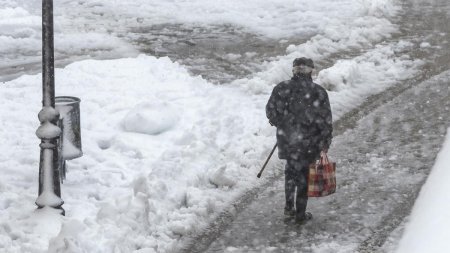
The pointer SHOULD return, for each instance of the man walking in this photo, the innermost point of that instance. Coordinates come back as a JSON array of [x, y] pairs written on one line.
[[300, 110]]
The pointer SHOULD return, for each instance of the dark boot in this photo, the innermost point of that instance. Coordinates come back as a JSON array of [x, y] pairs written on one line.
[[302, 219], [289, 212]]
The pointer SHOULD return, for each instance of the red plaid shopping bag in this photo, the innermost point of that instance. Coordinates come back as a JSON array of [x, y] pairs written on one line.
[[322, 177]]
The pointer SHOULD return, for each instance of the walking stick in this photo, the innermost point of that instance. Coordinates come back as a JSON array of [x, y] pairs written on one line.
[[268, 158]]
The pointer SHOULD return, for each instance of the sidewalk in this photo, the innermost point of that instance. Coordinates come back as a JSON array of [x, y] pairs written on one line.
[[381, 166]]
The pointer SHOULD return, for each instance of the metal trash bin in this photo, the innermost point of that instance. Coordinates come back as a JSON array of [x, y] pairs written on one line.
[[69, 110]]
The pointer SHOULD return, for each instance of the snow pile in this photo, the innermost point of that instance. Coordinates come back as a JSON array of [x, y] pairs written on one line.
[[356, 32], [203, 147], [152, 118], [427, 230], [348, 81]]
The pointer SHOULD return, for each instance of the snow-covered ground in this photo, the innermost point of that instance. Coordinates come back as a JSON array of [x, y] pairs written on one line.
[[428, 227], [165, 151]]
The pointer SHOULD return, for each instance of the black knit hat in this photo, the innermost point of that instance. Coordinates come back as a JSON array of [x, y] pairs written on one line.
[[303, 61]]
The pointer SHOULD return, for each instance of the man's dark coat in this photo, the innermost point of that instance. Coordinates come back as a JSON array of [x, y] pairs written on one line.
[[300, 110]]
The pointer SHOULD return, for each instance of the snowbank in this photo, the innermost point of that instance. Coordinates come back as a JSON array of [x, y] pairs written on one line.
[[146, 187], [369, 73], [357, 34], [348, 81], [427, 229]]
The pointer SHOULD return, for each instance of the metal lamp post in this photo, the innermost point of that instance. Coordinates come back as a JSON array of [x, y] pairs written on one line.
[[48, 131]]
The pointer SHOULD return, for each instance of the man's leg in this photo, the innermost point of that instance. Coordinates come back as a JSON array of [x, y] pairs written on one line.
[[302, 189], [289, 174]]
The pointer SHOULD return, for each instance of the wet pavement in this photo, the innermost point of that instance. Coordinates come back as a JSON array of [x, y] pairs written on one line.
[[218, 53], [425, 23]]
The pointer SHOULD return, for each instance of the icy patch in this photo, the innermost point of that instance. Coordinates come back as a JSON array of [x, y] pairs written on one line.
[[151, 118]]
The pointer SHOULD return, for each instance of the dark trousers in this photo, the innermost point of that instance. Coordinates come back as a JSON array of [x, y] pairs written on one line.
[[296, 177]]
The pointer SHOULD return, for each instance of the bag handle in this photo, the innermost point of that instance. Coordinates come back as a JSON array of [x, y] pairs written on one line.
[[324, 158]]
